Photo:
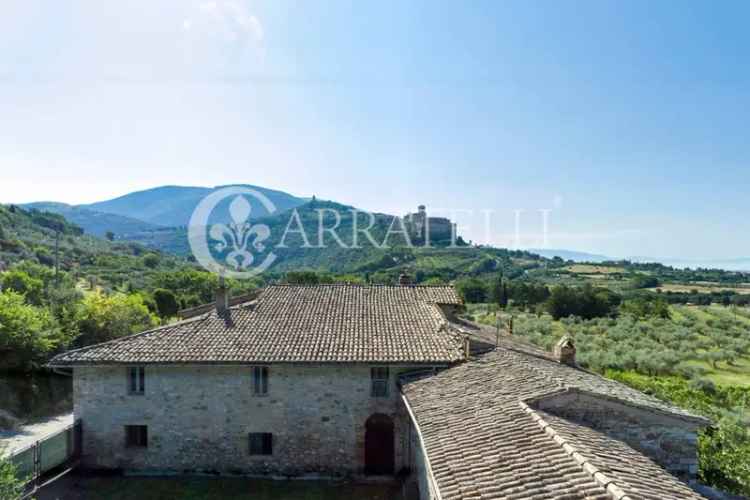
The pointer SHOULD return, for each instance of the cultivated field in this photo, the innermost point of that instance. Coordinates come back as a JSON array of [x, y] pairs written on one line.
[[701, 288], [593, 269]]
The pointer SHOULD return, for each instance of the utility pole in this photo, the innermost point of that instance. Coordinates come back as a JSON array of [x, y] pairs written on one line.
[[57, 256]]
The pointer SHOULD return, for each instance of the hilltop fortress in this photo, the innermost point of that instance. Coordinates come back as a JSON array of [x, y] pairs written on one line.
[[429, 229]]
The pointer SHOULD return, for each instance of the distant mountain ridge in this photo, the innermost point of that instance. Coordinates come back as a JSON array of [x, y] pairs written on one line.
[[173, 205], [93, 222], [156, 217], [156, 209]]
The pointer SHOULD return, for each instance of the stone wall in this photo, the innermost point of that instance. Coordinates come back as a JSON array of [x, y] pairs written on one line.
[[667, 440], [199, 418], [421, 473]]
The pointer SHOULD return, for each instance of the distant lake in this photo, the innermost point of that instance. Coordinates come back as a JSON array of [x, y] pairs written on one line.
[[35, 396]]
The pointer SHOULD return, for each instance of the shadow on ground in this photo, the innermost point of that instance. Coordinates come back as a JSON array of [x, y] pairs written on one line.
[[79, 487]]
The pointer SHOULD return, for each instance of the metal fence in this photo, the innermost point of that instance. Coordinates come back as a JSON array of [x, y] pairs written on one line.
[[63, 448]]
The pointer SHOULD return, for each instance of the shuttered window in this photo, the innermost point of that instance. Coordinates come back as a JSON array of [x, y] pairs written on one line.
[[136, 436], [136, 380], [261, 443], [380, 377], [260, 380]]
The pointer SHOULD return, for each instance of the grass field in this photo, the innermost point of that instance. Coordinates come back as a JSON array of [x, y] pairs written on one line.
[[703, 288], [199, 488], [593, 269], [737, 374]]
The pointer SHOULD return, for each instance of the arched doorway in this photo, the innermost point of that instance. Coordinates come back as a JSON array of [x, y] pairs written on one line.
[[379, 445]]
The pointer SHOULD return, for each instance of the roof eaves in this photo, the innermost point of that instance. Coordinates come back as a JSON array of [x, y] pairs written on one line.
[[682, 415], [52, 364], [602, 479]]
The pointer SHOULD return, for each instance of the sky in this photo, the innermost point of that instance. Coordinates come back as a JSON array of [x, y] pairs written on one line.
[[625, 122]]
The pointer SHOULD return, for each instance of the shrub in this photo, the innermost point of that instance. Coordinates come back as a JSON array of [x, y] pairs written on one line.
[[11, 485], [27, 333], [105, 317], [151, 260], [472, 290], [646, 307], [166, 303], [586, 302], [31, 288]]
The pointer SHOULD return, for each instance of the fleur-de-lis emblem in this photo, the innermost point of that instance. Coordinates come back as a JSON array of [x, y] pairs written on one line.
[[238, 234]]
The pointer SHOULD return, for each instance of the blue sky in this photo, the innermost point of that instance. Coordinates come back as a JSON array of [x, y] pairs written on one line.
[[628, 120]]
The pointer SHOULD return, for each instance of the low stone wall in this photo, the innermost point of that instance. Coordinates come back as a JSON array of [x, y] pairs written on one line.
[[199, 418]]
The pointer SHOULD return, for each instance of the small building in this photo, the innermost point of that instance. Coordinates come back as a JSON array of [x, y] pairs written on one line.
[[350, 380], [424, 229]]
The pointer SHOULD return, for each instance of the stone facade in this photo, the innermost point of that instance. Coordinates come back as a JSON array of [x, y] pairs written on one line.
[[199, 418], [424, 229], [421, 474], [666, 439]]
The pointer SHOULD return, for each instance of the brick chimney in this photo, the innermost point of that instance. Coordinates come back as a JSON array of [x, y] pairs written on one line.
[[404, 279], [222, 297], [565, 351]]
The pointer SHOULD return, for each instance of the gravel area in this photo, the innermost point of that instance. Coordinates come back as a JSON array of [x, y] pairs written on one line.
[[11, 440]]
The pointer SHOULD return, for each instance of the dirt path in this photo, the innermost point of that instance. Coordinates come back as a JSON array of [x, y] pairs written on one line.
[[26, 435]]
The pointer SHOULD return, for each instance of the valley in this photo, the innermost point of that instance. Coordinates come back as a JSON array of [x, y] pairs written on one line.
[[680, 334]]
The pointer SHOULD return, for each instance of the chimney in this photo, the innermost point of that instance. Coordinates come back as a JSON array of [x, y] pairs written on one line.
[[404, 279], [565, 351], [222, 297]]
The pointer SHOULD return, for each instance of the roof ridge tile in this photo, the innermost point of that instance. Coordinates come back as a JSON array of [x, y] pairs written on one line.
[[608, 484]]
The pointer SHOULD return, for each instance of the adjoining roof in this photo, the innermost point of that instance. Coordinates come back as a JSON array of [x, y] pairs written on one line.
[[482, 440], [299, 324], [625, 472]]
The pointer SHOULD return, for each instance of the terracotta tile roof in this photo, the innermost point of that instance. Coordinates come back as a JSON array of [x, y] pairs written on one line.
[[300, 324], [483, 441], [620, 465], [532, 358]]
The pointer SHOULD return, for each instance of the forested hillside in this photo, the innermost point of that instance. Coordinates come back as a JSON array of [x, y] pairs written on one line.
[[95, 223], [682, 335], [50, 240], [60, 288]]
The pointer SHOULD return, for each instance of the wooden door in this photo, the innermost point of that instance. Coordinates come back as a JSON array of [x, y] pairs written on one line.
[[379, 445]]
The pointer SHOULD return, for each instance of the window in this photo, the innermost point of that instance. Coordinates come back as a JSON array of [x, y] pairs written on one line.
[[260, 380], [379, 377], [136, 436], [261, 443], [136, 379]]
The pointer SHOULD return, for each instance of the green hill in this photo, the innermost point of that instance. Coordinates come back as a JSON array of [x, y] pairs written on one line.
[[173, 205], [377, 262], [93, 222], [48, 238]]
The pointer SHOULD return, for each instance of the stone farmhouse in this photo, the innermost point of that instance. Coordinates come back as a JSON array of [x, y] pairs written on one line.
[[352, 380]]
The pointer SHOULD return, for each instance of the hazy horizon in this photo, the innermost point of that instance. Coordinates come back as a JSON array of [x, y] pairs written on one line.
[[625, 121]]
